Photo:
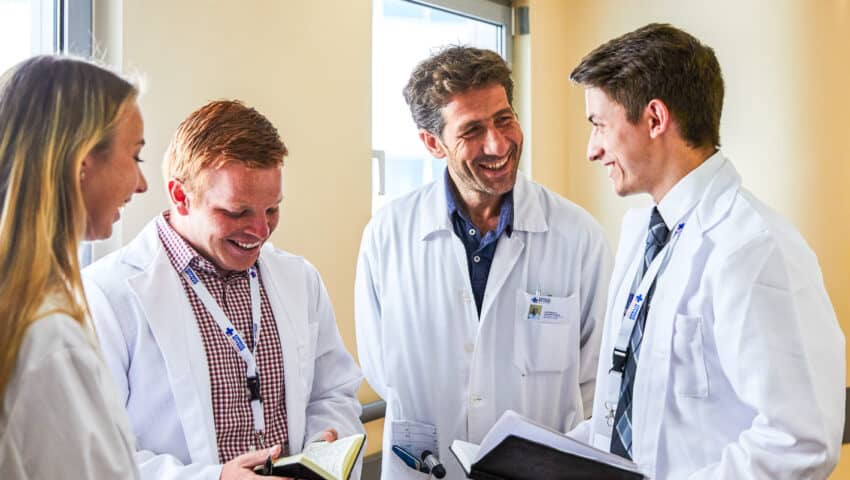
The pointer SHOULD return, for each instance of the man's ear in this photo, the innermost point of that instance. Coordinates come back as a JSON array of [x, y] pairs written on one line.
[[657, 117], [178, 195], [432, 143]]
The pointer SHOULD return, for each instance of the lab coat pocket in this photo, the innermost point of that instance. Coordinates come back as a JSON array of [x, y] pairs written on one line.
[[544, 332], [687, 362]]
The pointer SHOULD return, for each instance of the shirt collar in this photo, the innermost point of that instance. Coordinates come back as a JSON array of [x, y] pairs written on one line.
[[506, 211], [182, 254], [687, 191]]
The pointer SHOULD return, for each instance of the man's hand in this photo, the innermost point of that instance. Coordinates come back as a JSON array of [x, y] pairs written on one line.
[[330, 435], [242, 467]]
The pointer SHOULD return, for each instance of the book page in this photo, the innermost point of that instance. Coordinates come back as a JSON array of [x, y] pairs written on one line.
[[512, 423], [465, 452], [336, 457]]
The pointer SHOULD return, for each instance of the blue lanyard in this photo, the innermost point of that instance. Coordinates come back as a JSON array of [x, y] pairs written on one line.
[[637, 303], [236, 339]]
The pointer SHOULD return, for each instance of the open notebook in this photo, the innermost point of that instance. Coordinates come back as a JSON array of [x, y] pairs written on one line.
[[518, 449], [319, 460]]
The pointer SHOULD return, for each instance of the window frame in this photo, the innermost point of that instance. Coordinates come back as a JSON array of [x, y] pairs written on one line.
[[496, 12]]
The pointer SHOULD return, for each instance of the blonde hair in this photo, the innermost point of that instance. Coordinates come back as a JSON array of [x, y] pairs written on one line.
[[53, 112], [220, 132]]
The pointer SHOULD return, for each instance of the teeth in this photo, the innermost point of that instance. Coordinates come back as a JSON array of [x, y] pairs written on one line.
[[247, 246], [495, 166]]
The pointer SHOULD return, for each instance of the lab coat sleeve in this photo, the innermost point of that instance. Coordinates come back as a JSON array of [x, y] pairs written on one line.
[[115, 348], [596, 274], [367, 313], [780, 346], [67, 397], [333, 397]]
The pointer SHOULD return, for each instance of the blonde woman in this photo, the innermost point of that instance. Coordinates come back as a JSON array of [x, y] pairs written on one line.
[[70, 137]]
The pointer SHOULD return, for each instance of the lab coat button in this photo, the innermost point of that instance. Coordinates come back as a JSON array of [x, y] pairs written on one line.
[[476, 400], [469, 347]]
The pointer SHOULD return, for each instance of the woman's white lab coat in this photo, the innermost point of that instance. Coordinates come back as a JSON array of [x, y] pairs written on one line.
[[151, 341], [61, 414], [420, 341], [741, 373]]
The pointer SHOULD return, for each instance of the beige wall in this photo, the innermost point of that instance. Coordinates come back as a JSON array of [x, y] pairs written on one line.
[[305, 65], [787, 70]]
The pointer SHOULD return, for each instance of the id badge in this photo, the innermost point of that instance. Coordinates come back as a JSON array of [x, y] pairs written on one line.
[[546, 308]]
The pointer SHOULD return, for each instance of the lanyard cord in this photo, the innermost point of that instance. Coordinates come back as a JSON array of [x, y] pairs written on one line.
[[236, 341], [637, 302]]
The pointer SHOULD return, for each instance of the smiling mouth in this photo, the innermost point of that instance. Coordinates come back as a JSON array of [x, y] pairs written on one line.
[[497, 165], [246, 246]]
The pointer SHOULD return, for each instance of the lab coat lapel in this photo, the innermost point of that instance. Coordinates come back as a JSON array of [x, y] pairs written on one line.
[[653, 375], [528, 219], [508, 251], [175, 329], [287, 301], [628, 250], [435, 226]]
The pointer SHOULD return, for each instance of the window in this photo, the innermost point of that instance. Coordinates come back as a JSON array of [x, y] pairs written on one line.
[[405, 32], [32, 27], [26, 29]]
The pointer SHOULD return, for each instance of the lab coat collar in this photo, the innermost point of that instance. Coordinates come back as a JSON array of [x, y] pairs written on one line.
[[688, 191], [528, 212], [719, 196]]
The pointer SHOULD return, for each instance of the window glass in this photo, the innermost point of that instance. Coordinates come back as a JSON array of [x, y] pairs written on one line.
[[405, 33]]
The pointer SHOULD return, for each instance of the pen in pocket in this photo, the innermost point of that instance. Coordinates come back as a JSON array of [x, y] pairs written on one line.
[[409, 459]]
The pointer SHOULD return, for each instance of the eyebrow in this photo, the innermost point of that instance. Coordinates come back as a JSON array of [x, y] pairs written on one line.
[[141, 142]]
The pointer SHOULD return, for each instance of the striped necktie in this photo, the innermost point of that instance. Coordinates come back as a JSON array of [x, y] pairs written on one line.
[[621, 436]]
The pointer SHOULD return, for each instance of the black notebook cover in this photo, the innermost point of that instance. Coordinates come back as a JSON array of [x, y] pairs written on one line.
[[516, 458], [295, 470]]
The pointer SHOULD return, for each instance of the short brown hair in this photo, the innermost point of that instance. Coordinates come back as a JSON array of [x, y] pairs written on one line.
[[219, 132], [450, 71], [660, 61]]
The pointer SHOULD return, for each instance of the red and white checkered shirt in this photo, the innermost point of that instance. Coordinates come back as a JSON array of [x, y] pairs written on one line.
[[234, 423]]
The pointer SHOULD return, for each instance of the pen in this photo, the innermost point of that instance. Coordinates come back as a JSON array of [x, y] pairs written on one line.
[[433, 464], [410, 460]]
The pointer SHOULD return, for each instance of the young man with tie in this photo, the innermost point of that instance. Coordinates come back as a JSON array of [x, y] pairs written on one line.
[[722, 356]]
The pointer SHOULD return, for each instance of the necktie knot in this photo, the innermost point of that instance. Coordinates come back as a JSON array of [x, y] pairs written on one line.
[[656, 237]]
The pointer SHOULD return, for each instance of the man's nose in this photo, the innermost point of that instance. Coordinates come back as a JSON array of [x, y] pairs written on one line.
[[594, 150], [259, 226], [496, 144]]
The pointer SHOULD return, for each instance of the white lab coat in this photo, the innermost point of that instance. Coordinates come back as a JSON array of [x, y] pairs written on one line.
[[741, 372], [151, 341], [420, 341], [61, 415]]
